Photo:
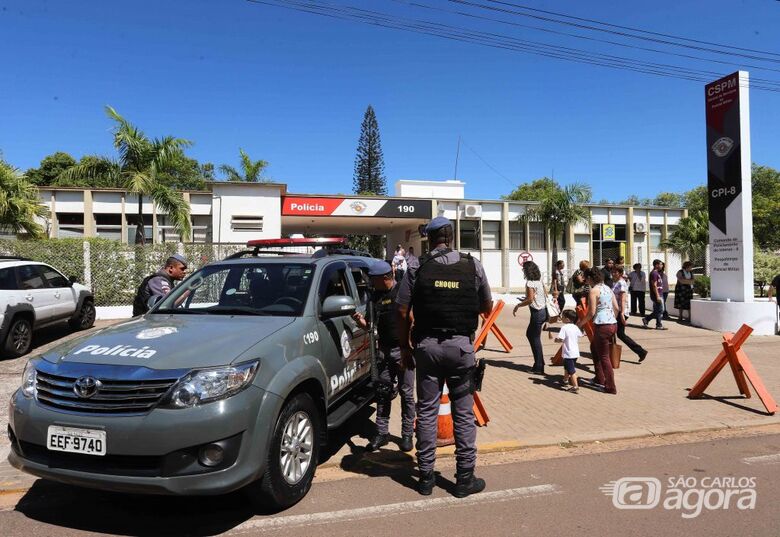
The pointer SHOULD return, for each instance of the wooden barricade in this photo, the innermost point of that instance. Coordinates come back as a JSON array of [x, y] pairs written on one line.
[[741, 368]]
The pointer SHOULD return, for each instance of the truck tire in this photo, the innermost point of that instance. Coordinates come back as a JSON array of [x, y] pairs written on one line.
[[19, 338], [292, 457], [85, 317]]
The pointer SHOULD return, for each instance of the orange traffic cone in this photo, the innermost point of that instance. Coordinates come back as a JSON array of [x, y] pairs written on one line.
[[445, 433]]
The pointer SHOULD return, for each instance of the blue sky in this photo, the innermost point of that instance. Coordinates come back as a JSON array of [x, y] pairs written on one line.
[[292, 88]]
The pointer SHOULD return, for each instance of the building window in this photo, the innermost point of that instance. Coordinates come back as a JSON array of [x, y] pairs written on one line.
[[70, 225], [246, 223], [109, 226], [536, 236], [469, 235], [516, 235], [655, 238], [491, 235]]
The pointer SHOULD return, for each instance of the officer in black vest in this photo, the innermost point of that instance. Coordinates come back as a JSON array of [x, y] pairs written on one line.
[[385, 319], [160, 283], [443, 298]]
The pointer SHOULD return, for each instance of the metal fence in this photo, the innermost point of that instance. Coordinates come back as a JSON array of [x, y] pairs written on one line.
[[113, 270]]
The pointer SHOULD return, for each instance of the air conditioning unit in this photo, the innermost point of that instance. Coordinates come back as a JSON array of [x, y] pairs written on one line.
[[472, 211], [640, 227]]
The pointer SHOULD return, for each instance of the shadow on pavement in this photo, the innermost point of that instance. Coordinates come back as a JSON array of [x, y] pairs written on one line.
[[67, 506], [72, 507], [727, 400]]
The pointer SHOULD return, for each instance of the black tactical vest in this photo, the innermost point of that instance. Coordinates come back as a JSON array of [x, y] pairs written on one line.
[[143, 294], [445, 299], [386, 315]]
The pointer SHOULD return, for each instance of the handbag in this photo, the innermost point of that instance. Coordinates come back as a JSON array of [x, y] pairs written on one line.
[[553, 311], [615, 352]]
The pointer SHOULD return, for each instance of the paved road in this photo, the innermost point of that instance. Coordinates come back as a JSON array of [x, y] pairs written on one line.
[[559, 496]]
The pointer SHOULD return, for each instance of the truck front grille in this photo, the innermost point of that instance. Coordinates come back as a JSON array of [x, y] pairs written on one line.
[[112, 397]]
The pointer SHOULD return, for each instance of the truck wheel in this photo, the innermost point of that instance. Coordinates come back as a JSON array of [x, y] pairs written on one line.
[[292, 457], [85, 318], [19, 338]]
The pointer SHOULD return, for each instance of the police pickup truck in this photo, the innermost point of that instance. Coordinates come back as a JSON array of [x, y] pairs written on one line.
[[232, 379]]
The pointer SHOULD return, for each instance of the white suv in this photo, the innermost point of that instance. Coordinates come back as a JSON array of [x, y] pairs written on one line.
[[33, 295]]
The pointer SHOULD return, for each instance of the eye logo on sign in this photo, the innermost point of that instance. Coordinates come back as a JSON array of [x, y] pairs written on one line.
[[346, 347], [723, 146], [358, 207]]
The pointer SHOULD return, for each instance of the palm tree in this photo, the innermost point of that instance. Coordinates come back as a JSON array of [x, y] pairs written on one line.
[[140, 158], [559, 209], [252, 170], [690, 237], [19, 203]]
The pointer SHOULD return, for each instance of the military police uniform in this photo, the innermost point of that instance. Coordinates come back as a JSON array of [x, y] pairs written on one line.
[[445, 294], [384, 316]]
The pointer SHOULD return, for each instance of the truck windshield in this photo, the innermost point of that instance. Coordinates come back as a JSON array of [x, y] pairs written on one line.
[[242, 289]]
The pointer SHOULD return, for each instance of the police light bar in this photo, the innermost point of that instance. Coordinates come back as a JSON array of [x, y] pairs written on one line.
[[302, 241]]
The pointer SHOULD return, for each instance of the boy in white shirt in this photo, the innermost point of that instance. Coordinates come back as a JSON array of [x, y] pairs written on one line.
[[569, 336]]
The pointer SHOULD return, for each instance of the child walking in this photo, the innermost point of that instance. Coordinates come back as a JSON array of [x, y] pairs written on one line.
[[569, 336]]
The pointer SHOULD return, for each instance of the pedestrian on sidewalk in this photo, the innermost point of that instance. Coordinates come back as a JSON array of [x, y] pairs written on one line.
[[683, 291], [399, 263], [558, 284], [383, 316], [580, 288], [620, 289], [606, 272], [657, 296], [665, 284], [637, 285], [569, 337], [775, 285], [536, 300], [603, 310]]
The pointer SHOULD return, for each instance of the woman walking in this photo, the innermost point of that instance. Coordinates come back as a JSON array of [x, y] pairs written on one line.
[[535, 299], [579, 285], [602, 309], [683, 291], [558, 284], [620, 289]]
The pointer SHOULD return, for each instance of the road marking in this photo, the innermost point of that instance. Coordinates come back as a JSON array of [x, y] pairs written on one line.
[[763, 459], [378, 511]]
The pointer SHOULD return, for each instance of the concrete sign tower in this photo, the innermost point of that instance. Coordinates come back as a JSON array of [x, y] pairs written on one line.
[[728, 185]]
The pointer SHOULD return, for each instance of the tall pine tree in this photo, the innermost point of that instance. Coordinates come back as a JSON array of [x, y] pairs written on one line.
[[369, 178], [369, 175]]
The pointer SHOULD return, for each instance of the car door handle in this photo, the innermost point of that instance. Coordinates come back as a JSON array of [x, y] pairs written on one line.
[[57, 295], [28, 297]]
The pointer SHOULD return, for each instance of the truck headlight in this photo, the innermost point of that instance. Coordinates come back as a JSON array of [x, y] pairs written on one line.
[[28, 380], [209, 385]]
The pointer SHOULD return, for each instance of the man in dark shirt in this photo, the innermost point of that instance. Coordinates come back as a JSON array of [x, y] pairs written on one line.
[[775, 286], [160, 283], [606, 272]]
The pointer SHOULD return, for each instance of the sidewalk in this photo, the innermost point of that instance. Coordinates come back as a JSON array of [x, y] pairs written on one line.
[[528, 410]]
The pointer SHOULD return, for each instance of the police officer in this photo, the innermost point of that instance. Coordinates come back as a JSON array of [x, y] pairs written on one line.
[[385, 319], [160, 283], [443, 298]]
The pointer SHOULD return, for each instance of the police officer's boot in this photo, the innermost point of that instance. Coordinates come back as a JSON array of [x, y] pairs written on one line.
[[467, 484], [377, 442], [426, 483], [406, 443]]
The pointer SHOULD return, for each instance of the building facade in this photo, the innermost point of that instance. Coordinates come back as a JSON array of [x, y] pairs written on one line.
[[492, 230]]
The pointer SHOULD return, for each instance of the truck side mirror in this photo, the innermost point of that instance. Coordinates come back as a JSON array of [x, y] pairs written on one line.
[[337, 306]]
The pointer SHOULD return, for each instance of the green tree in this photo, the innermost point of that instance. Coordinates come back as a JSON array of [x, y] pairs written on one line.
[[19, 203], [251, 170], [51, 167], [690, 237], [695, 199], [668, 199], [537, 190], [140, 161], [183, 173], [766, 207], [369, 176], [559, 208]]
